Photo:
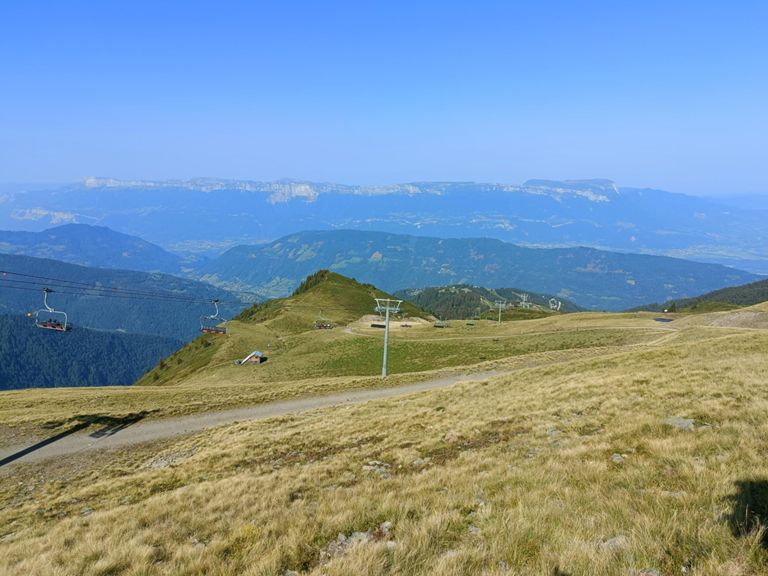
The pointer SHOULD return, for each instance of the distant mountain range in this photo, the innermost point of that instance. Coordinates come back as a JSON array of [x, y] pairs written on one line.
[[205, 216], [591, 278]]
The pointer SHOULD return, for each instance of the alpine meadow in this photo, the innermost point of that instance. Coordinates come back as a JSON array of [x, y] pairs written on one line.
[[383, 289]]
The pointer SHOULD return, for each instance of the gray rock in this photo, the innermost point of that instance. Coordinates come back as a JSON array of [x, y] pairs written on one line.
[[617, 458], [197, 544], [615, 544], [377, 467], [680, 423], [359, 537], [474, 530], [450, 554], [343, 542]]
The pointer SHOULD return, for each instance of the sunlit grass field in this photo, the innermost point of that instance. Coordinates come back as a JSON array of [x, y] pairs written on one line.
[[570, 463], [203, 377]]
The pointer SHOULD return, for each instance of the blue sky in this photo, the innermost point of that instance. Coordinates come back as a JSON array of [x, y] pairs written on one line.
[[666, 94]]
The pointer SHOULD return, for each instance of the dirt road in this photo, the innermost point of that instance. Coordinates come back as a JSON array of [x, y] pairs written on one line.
[[151, 430]]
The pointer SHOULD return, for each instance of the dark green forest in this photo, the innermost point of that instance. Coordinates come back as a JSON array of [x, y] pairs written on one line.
[[744, 295], [164, 314], [33, 357]]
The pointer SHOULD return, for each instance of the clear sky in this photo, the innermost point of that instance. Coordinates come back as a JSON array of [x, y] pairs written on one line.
[[666, 94]]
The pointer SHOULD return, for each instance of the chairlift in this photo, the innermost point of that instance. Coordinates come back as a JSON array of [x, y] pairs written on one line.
[[50, 319], [213, 324]]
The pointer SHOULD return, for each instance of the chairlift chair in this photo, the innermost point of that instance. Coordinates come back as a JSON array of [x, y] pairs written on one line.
[[50, 319], [213, 324]]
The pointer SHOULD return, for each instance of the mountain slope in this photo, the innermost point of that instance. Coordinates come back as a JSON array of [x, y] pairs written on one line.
[[95, 246], [138, 302], [462, 302], [35, 358], [590, 278], [207, 215], [285, 330], [735, 296], [337, 298]]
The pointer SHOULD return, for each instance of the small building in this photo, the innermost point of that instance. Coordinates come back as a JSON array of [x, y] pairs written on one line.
[[255, 357]]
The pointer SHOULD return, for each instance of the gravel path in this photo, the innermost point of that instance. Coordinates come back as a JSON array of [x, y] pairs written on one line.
[[151, 430]]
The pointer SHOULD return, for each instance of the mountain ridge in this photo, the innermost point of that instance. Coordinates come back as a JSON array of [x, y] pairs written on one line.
[[94, 246], [589, 277], [204, 216]]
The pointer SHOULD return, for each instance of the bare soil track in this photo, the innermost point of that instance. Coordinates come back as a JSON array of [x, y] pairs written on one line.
[[82, 440]]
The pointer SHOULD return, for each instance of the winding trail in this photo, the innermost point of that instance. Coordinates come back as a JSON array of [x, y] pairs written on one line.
[[81, 440]]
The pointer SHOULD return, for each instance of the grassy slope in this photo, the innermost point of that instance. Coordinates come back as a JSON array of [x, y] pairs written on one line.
[[273, 326], [201, 378], [513, 475]]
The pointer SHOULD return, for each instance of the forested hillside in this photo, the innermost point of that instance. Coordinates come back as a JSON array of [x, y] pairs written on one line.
[[34, 358], [135, 302], [745, 295], [593, 279], [91, 246], [463, 301]]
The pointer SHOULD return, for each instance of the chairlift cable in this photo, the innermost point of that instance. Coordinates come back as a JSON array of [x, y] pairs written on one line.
[[94, 292], [101, 290]]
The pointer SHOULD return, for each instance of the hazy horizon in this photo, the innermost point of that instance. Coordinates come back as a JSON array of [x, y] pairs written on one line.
[[652, 95], [42, 185]]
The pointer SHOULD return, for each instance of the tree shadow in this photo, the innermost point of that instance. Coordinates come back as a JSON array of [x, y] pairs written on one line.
[[750, 509], [110, 425]]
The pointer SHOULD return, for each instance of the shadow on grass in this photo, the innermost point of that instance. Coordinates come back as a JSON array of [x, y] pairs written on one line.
[[110, 425], [750, 509]]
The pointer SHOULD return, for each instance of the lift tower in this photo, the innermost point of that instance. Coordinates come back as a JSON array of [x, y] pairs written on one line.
[[501, 304], [387, 306]]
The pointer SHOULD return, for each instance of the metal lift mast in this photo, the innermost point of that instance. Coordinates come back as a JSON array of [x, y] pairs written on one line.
[[386, 305]]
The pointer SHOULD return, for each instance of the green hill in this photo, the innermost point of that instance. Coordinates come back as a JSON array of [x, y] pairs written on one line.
[[323, 295], [285, 330], [723, 299], [462, 301]]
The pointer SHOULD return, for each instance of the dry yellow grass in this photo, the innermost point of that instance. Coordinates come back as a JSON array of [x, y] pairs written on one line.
[[321, 362], [564, 467]]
